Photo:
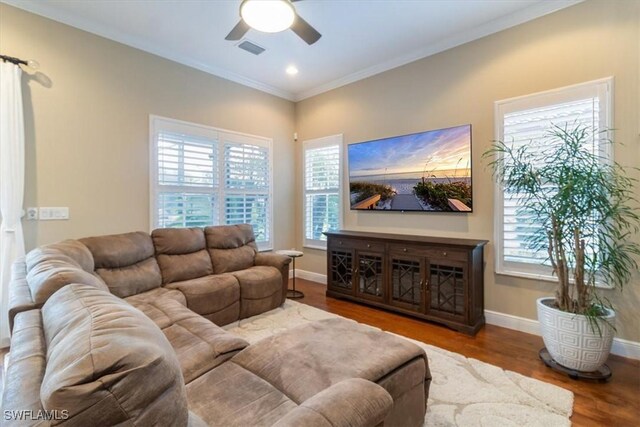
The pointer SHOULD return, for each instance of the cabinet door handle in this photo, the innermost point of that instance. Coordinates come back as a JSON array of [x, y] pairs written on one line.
[[340, 242], [355, 271], [444, 254], [404, 249], [368, 245]]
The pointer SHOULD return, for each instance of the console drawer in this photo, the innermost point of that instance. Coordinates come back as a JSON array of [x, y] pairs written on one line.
[[453, 254], [361, 245]]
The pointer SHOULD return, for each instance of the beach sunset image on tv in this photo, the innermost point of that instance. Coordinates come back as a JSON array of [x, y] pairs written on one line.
[[426, 171]]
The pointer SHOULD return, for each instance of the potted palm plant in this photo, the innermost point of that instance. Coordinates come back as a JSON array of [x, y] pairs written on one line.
[[582, 204]]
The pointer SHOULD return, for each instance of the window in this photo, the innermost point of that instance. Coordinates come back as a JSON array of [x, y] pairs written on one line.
[[322, 200], [205, 176], [518, 121]]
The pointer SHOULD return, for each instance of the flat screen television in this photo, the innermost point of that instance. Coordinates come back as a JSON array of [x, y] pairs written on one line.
[[422, 172]]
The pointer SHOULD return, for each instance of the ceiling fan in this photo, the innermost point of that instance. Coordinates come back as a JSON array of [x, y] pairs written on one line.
[[272, 16]]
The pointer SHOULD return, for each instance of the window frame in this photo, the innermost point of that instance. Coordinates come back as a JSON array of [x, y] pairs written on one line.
[[601, 88], [221, 136], [311, 144]]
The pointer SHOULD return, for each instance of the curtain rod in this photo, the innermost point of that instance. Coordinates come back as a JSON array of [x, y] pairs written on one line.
[[14, 60]]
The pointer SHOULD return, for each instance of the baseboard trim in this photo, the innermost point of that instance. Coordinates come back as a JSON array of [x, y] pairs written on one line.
[[509, 321], [310, 275], [621, 347], [4, 342]]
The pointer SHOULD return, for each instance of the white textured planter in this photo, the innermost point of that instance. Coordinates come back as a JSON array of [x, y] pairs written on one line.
[[571, 341]]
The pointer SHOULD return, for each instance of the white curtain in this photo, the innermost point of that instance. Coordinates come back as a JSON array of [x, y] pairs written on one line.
[[11, 183]]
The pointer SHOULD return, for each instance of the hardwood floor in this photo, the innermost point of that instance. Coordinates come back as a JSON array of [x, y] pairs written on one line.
[[616, 403]]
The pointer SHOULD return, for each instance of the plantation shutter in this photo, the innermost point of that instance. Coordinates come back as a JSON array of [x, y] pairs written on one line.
[[522, 122], [321, 189], [187, 181], [246, 176], [202, 176]]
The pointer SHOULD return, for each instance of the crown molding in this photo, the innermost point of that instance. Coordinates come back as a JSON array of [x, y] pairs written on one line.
[[535, 11], [47, 11]]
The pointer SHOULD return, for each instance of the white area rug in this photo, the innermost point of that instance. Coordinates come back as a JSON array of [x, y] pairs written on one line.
[[464, 392]]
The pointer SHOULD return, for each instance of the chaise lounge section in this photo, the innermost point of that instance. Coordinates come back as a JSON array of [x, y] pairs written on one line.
[[98, 319]]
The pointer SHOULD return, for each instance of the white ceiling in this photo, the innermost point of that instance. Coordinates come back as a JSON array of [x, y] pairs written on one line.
[[360, 38]]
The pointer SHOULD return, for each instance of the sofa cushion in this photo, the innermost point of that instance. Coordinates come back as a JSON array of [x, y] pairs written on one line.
[[20, 298], [261, 290], [70, 251], [231, 396], [305, 360], [231, 247], [209, 294], [181, 253], [352, 402], [26, 367], [199, 344], [125, 262], [259, 282], [100, 350], [46, 277], [154, 294]]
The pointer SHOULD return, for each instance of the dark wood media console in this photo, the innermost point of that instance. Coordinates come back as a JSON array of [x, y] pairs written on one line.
[[433, 278]]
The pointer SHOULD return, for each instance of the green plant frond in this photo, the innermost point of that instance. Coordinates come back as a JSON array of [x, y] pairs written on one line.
[[567, 189]]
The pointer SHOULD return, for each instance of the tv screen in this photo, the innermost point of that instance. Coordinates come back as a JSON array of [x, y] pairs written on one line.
[[427, 171]]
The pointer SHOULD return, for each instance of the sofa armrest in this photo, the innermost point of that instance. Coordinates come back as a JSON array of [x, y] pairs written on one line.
[[354, 402], [20, 298], [281, 262]]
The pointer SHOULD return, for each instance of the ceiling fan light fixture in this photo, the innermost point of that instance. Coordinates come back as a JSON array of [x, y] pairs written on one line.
[[269, 16]]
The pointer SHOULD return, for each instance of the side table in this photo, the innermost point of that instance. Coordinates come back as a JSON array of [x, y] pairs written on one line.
[[293, 254]]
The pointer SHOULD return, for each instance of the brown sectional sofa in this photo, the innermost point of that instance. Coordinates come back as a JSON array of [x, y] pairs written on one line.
[[216, 271], [125, 329]]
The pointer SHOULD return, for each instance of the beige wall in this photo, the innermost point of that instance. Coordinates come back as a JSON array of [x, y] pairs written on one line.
[[87, 135], [87, 131], [592, 40]]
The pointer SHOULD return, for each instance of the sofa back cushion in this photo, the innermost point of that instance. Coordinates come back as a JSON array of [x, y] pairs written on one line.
[[46, 277], [108, 363], [181, 254], [50, 267], [70, 251], [125, 262], [231, 247]]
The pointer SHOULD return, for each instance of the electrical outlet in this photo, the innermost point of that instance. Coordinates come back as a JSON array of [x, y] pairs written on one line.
[[53, 214], [32, 214]]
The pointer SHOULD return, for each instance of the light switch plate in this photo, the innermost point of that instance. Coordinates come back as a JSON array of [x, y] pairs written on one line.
[[54, 214]]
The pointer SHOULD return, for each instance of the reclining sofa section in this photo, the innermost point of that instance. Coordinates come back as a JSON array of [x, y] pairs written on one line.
[[216, 272]]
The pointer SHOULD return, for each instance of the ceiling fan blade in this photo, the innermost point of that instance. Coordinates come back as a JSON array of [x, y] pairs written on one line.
[[305, 31], [238, 31]]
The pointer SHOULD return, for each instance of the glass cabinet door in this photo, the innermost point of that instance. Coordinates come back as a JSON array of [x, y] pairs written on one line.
[[407, 280], [370, 276], [341, 271], [446, 288]]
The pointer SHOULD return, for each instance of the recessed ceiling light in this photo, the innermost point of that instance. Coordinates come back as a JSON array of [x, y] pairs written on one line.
[[269, 16], [292, 70]]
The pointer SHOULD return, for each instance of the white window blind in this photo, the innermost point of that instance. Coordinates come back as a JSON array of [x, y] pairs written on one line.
[[204, 176], [522, 121], [187, 180], [247, 187], [322, 207]]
